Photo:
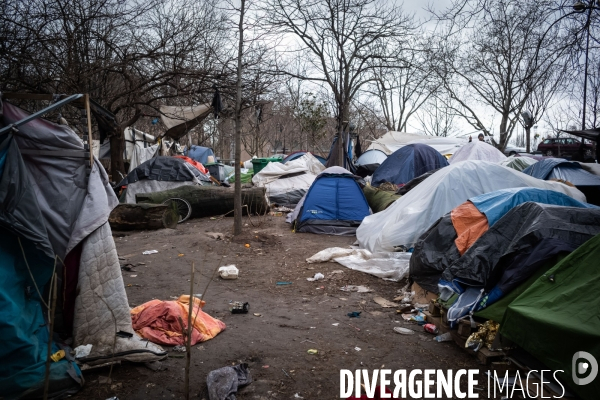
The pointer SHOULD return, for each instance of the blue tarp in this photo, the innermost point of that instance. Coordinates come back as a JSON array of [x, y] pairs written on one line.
[[495, 204], [559, 168], [334, 204], [407, 163], [199, 153]]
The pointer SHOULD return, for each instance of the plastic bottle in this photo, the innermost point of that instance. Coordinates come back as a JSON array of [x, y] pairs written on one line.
[[446, 337]]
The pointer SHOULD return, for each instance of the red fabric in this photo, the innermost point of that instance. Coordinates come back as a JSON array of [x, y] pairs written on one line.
[[469, 225], [195, 163], [158, 321]]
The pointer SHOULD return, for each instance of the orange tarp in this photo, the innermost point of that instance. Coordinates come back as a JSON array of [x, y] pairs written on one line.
[[195, 163], [469, 225], [158, 321]]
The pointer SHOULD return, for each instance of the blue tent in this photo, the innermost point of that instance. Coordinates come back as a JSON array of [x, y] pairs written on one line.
[[334, 204], [199, 153], [559, 168], [407, 163]]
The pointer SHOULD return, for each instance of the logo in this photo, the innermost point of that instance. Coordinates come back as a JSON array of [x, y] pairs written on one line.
[[581, 368]]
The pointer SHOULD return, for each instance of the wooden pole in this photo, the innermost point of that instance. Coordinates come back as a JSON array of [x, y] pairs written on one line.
[[188, 344]]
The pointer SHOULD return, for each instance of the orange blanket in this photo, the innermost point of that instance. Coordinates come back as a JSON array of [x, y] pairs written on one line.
[[469, 225], [158, 321]]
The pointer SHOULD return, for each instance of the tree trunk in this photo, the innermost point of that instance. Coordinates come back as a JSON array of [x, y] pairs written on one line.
[[207, 201], [237, 218], [503, 134], [127, 217], [117, 147]]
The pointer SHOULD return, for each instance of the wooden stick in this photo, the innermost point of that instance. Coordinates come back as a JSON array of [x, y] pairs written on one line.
[[188, 344], [50, 332]]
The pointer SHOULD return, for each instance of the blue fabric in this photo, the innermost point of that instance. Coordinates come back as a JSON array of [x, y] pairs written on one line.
[[23, 329], [334, 197], [559, 168], [3, 153], [495, 204], [199, 153], [407, 163]]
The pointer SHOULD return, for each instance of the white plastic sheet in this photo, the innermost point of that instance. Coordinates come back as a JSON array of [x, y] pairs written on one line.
[[392, 141], [386, 265], [274, 170], [477, 150], [409, 217]]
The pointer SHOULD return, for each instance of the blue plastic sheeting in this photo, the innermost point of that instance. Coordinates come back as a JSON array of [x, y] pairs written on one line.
[[200, 153], [299, 154], [559, 168], [495, 204], [407, 163], [372, 156], [23, 329]]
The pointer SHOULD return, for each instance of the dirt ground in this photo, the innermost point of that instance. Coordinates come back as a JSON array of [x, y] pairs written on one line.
[[293, 318]]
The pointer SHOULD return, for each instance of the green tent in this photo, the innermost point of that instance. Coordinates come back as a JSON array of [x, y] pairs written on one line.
[[558, 316], [379, 199]]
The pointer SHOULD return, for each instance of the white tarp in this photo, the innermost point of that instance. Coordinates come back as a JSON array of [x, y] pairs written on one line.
[[392, 141], [407, 218], [477, 150], [518, 163], [180, 119], [287, 183], [141, 154], [386, 265], [136, 138]]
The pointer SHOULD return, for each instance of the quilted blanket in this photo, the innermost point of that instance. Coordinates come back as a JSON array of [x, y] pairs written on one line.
[[102, 316]]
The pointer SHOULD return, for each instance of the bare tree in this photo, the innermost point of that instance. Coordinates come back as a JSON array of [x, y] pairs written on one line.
[[436, 117], [496, 54], [343, 42]]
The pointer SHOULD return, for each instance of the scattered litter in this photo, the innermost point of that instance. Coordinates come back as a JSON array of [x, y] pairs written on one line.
[[313, 327], [200, 347], [179, 349], [419, 318], [312, 351], [337, 271], [133, 276], [422, 307], [257, 315], [265, 366], [59, 355], [286, 374], [354, 288], [116, 386], [113, 398], [297, 396], [306, 340], [247, 245], [354, 314], [318, 276], [284, 283], [237, 307], [431, 328], [336, 324], [228, 272], [141, 263], [446, 337], [357, 348], [215, 235], [150, 252], [384, 303], [180, 255], [407, 317], [343, 298], [223, 383], [403, 331], [83, 351], [127, 267]]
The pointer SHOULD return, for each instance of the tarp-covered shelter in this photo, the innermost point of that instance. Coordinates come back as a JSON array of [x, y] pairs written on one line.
[[456, 232], [297, 154], [518, 163], [407, 218], [180, 119], [334, 204], [570, 171], [54, 208], [286, 184], [392, 141], [200, 154], [557, 317], [369, 161], [477, 150], [408, 163], [161, 173]]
